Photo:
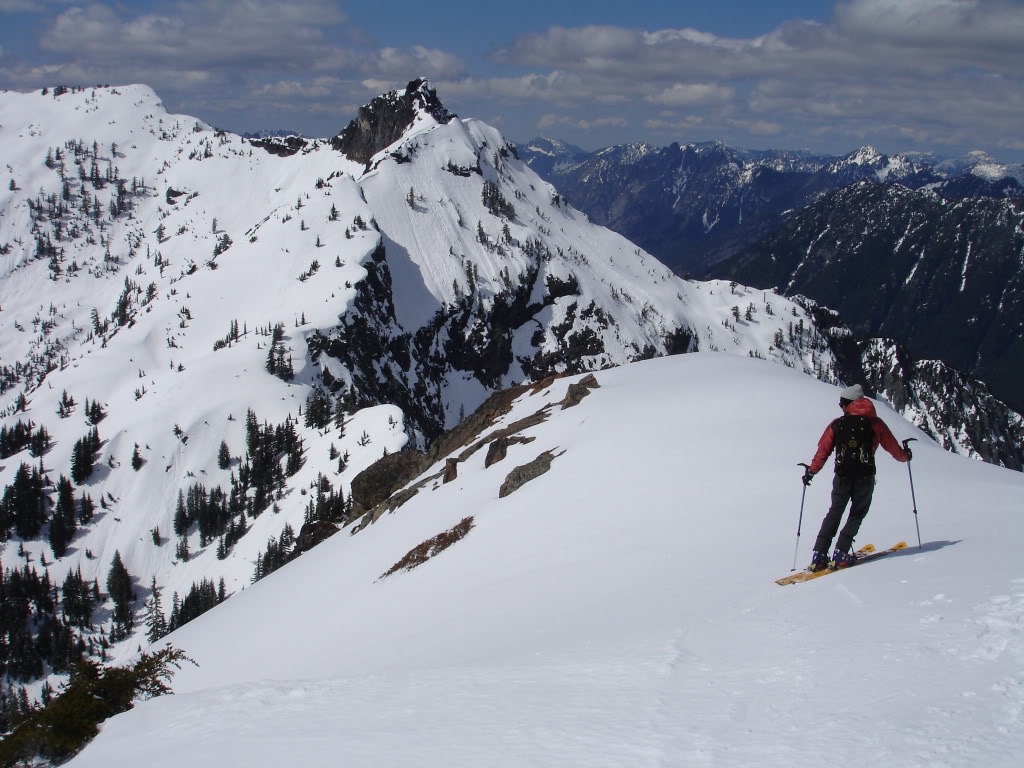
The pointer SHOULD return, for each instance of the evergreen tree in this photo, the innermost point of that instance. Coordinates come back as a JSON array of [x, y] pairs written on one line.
[[181, 521], [495, 202], [86, 509], [83, 456], [200, 598], [66, 406], [156, 624], [78, 600], [24, 505], [318, 409], [224, 456], [119, 587], [339, 415], [181, 552], [94, 412], [62, 524]]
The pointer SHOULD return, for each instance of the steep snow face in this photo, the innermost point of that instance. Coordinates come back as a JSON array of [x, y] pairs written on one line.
[[589, 618], [163, 313], [184, 278]]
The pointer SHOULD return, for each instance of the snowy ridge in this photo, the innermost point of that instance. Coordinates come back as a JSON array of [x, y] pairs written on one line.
[[578, 623]]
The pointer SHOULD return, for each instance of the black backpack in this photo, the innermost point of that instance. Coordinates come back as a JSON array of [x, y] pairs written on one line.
[[854, 445]]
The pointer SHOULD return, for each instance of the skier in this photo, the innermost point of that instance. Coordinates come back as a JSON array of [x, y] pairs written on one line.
[[855, 436]]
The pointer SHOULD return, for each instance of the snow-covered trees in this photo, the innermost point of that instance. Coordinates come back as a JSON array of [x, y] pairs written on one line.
[[279, 362], [495, 202]]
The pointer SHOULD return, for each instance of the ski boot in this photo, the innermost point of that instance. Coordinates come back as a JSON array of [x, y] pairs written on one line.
[[819, 562], [842, 559]]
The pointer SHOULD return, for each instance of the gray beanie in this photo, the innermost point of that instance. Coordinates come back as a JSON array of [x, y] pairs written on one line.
[[854, 392]]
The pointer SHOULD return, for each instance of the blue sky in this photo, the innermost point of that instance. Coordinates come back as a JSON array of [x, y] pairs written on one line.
[[904, 75]]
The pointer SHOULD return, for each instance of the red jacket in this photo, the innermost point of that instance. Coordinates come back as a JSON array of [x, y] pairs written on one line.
[[883, 437]]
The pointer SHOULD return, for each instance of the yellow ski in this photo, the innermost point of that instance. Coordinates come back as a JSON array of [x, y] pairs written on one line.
[[864, 554]]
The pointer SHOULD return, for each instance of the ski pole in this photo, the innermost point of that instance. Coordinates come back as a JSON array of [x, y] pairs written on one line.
[[800, 522], [913, 497]]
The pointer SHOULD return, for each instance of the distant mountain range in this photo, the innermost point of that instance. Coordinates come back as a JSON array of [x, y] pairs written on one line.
[[694, 204], [921, 249]]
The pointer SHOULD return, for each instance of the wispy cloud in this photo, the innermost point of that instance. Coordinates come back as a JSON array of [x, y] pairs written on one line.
[[549, 121], [22, 6]]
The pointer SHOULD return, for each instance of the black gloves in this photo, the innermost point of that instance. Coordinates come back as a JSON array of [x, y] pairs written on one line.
[[808, 476], [906, 447]]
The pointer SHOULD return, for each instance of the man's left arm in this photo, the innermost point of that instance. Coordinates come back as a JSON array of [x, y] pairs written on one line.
[[888, 441]]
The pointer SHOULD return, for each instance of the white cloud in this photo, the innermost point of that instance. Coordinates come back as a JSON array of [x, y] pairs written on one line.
[[405, 64], [206, 33], [690, 94], [957, 23], [757, 127], [669, 129], [316, 88], [21, 6], [554, 87], [564, 121]]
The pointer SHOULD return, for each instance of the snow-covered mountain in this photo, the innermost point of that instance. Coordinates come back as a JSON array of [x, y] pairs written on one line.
[[619, 609], [205, 338]]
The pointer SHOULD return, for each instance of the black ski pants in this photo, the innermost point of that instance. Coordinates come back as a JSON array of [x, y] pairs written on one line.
[[857, 489]]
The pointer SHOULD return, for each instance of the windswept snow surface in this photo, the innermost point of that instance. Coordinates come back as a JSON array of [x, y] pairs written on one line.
[[621, 610]]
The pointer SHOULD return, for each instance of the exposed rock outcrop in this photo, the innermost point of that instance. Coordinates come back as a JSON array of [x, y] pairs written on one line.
[[523, 474], [386, 118], [382, 478], [578, 390]]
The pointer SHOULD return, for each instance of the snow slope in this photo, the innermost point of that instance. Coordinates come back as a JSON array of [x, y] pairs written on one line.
[[621, 610]]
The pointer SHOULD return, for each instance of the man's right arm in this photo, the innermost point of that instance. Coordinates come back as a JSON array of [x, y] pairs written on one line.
[[825, 445]]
